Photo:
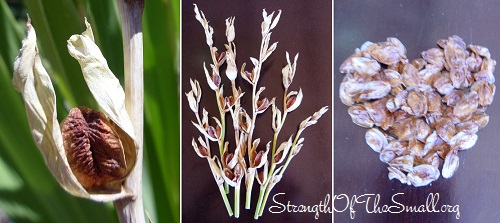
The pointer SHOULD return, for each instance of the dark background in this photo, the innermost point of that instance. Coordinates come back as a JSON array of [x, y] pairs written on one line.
[[358, 170], [304, 27]]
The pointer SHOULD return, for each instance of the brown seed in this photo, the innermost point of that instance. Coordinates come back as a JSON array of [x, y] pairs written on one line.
[[93, 149]]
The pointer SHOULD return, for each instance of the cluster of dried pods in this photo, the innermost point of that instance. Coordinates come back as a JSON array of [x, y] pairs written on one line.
[[248, 159], [422, 110]]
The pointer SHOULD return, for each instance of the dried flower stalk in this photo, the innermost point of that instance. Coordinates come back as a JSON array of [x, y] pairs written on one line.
[[232, 166]]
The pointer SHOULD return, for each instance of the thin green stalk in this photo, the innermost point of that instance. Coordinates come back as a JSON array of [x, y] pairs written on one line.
[[256, 215], [226, 201], [237, 200], [281, 172], [250, 175]]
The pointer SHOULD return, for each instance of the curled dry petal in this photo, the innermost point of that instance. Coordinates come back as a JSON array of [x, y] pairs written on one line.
[[311, 120], [33, 82], [209, 31], [216, 169], [201, 150], [262, 175], [230, 29], [282, 151], [293, 100]]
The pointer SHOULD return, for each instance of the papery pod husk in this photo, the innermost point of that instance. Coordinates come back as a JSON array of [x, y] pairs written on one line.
[[33, 82]]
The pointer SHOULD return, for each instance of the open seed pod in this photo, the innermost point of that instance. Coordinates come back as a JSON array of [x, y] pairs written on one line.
[[91, 153]]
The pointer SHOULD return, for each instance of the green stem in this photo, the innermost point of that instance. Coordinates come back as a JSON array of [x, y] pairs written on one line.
[[268, 190], [250, 175], [237, 200], [226, 201], [259, 202]]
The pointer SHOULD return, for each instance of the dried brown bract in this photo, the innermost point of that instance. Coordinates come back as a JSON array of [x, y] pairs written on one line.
[[420, 112]]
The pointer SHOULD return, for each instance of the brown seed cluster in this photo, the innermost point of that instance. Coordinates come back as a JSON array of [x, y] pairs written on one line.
[[93, 149], [422, 110]]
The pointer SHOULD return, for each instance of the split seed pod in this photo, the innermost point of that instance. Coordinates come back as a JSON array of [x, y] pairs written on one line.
[[91, 153]]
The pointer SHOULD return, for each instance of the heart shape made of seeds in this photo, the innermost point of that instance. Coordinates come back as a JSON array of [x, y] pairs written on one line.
[[422, 111]]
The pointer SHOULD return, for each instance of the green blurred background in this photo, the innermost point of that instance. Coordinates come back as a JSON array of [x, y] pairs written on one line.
[[28, 192]]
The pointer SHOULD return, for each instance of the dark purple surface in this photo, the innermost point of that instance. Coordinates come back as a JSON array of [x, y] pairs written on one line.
[[357, 168], [304, 27]]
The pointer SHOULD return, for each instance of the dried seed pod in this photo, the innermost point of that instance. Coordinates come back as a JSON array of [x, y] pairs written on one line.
[[375, 139], [94, 150]]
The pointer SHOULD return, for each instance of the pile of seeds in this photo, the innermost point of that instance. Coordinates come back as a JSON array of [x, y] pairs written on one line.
[[421, 111]]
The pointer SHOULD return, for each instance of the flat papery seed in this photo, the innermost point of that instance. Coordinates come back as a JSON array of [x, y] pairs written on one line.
[[481, 119], [488, 65], [374, 90], [360, 116], [467, 105], [423, 175], [379, 114], [453, 97], [398, 174], [443, 84], [365, 66], [467, 127], [392, 77], [445, 129], [404, 163], [434, 56], [451, 163], [386, 155], [485, 92], [417, 103], [430, 74], [387, 54], [344, 97], [443, 149], [399, 147], [463, 140], [419, 63], [410, 76], [473, 62], [93, 149], [416, 147], [375, 139], [431, 142], [433, 102], [480, 50], [484, 76]]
